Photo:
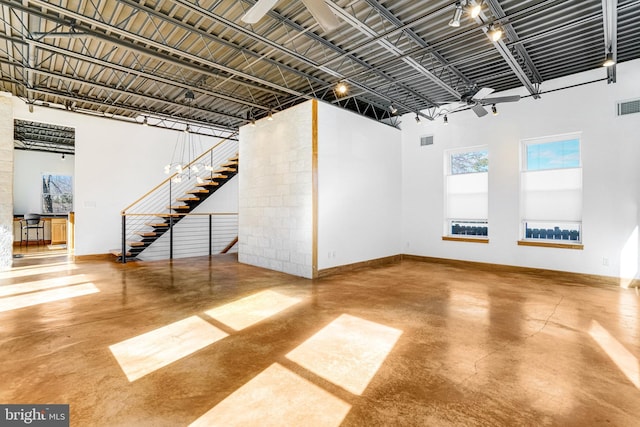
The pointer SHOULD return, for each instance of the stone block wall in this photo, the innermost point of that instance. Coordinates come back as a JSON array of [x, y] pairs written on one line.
[[6, 181]]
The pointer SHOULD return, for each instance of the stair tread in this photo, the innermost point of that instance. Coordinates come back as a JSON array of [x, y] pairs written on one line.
[[218, 176], [188, 199], [198, 190], [224, 170], [230, 163], [236, 157], [135, 244], [157, 224], [167, 215], [119, 253], [146, 233], [208, 184], [176, 207]]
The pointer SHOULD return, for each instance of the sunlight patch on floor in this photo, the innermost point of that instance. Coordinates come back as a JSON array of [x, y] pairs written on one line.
[[348, 352], [32, 271], [153, 350], [27, 300], [277, 397], [623, 358], [250, 310], [38, 285]]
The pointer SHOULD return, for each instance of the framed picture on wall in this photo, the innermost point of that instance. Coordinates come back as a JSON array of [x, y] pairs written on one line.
[[57, 194]]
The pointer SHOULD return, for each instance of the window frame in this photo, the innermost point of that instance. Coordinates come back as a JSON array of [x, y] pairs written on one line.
[[571, 224], [449, 222]]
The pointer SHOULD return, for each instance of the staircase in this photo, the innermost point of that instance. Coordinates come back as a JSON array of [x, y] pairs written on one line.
[[148, 219]]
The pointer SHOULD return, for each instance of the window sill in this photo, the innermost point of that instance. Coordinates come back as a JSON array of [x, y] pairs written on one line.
[[466, 239], [578, 246]]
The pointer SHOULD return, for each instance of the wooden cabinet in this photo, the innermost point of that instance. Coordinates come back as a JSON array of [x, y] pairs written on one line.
[[58, 231]]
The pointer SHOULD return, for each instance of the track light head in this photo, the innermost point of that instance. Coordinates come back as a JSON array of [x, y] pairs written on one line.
[[145, 122], [417, 118], [393, 109], [270, 116], [446, 120], [457, 14], [495, 33], [494, 110], [342, 89], [62, 156], [474, 10], [608, 60]]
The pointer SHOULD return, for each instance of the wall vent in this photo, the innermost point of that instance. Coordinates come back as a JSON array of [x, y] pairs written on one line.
[[426, 140], [628, 107]]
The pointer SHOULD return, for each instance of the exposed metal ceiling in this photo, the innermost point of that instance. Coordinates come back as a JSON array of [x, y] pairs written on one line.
[[134, 59], [29, 135]]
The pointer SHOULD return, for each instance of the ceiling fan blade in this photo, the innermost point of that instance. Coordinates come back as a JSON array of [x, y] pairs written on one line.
[[498, 99], [479, 110], [258, 10], [482, 93], [322, 14]]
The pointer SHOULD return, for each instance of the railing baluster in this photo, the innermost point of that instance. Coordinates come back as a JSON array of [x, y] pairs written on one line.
[[124, 238]]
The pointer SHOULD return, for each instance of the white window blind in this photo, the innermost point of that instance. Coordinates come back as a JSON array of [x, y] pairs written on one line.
[[552, 195], [468, 195]]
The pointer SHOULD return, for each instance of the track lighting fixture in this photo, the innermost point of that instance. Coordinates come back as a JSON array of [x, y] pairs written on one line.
[[474, 10], [393, 109], [417, 118], [494, 110], [457, 14], [187, 129], [270, 116], [341, 89], [608, 60], [495, 33], [62, 156], [144, 121], [446, 120]]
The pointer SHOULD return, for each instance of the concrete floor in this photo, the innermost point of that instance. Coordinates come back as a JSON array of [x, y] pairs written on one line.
[[213, 342]]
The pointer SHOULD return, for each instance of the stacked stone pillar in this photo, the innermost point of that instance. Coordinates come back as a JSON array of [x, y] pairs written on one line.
[[6, 181]]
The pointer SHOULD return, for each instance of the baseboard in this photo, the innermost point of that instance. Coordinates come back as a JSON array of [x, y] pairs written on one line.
[[358, 265], [93, 257], [556, 275], [16, 244]]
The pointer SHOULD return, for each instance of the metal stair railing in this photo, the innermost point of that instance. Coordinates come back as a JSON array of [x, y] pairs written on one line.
[[155, 206]]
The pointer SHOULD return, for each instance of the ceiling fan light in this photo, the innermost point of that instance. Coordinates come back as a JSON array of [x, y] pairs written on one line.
[[457, 14], [608, 60]]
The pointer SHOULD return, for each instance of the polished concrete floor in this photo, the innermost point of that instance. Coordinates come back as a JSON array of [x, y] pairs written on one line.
[[208, 341]]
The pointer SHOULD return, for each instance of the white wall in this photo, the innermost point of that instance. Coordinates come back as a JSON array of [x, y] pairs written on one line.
[[115, 163], [610, 154], [29, 166], [359, 188], [275, 188]]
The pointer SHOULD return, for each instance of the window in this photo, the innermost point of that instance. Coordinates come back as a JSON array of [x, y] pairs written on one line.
[[57, 195], [551, 189], [466, 193]]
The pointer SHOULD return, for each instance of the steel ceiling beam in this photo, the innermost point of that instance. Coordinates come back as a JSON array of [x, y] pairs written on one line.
[[160, 47], [278, 47], [109, 89], [506, 54], [423, 44], [610, 24]]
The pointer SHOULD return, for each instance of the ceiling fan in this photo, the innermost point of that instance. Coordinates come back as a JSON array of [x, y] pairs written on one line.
[[318, 9], [477, 99]]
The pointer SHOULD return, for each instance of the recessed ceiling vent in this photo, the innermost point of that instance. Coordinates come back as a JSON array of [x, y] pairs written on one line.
[[426, 140], [628, 107]]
